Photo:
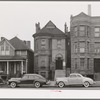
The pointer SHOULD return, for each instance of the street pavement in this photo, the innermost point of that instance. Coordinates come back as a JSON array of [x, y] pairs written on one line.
[[53, 86]]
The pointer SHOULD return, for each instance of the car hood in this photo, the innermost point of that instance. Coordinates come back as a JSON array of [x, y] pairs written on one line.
[[14, 79]]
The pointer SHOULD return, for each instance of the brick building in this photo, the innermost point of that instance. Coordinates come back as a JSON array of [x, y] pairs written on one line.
[[16, 57], [85, 45], [50, 55]]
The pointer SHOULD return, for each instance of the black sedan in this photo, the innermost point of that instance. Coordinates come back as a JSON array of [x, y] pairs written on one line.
[[35, 79]]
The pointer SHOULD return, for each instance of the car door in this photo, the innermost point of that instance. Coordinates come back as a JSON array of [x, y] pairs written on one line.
[[79, 79], [72, 79], [31, 79], [25, 80]]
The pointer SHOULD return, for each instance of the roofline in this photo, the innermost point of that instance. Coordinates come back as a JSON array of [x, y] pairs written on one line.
[[7, 42]]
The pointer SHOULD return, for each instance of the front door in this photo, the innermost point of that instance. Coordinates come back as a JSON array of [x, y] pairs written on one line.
[[59, 64]]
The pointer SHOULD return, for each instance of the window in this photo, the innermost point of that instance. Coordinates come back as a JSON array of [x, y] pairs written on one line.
[[97, 47], [97, 32], [78, 75], [43, 44], [42, 63], [82, 47], [97, 29], [88, 48], [43, 41], [82, 62], [88, 31], [2, 47], [82, 30], [31, 77], [75, 63], [76, 31], [25, 77], [82, 33], [88, 63], [7, 48], [36, 44], [59, 43], [73, 76], [18, 52], [75, 47], [43, 47], [23, 53]]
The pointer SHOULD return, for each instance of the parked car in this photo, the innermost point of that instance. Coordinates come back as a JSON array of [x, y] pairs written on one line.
[[74, 79], [35, 79]]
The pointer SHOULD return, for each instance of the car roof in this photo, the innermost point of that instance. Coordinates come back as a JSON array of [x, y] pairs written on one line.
[[75, 74], [34, 74]]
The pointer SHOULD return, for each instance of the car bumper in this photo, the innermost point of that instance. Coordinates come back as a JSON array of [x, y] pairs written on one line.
[[7, 83], [48, 82]]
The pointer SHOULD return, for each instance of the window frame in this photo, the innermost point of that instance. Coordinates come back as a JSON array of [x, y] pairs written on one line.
[[82, 63], [97, 33], [81, 31]]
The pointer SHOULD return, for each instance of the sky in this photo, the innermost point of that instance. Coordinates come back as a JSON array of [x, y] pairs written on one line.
[[18, 18]]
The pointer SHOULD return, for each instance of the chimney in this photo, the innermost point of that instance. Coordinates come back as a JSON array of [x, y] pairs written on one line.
[[2, 38], [37, 27], [89, 10], [66, 28]]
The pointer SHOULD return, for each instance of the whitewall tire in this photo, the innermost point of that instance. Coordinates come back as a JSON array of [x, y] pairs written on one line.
[[13, 84], [37, 84], [61, 84], [86, 84]]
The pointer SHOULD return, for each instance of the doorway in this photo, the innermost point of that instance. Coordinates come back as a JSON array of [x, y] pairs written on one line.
[[59, 63]]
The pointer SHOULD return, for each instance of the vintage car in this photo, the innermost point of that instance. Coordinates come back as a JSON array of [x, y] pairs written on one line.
[[74, 79], [35, 79]]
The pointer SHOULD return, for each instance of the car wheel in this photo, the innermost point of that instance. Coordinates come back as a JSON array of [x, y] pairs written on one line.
[[37, 84], [61, 84], [86, 84], [13, 84]]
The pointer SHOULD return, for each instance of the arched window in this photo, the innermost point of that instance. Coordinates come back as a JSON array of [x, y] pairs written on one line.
[[42, 63]]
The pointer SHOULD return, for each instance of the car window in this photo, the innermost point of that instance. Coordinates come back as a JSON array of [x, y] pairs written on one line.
[[78, 75], [72, 76], [25, 77], [31, 76], [37, 77]]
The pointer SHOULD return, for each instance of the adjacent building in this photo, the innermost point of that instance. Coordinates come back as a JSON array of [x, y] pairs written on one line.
[[16, 57], [50, 53], [85, 45]]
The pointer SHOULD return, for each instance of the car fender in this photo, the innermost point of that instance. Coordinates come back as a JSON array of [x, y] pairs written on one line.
[[17, 81], [88, 80], [65, 81]]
